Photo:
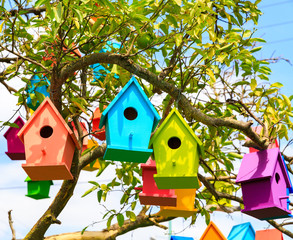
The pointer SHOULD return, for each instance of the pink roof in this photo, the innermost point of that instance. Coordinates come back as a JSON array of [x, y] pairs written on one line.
[[260, 165], [47, 103], [19, 122]]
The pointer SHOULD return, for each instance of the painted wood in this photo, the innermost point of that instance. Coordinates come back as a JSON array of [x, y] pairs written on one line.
[[95, 165], [15, 147], [129, 120], [181, 238], [265, 183], [269, 234], [38, 189], [99, 133], [175, 147], [212, 232], [150, 194], [243, 231], [49, 144]]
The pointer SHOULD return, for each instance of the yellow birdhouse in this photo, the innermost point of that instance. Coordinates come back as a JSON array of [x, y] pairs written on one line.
[[176, 152], [95, 164]]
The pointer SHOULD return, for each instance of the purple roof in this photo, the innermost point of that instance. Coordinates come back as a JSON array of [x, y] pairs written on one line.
[[260, 165]]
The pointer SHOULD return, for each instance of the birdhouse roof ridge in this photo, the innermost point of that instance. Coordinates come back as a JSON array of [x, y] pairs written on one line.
[[254, 167], [236, 229], [174, 112], [10, 128], [47, 102], [124, 90], [214, 226]]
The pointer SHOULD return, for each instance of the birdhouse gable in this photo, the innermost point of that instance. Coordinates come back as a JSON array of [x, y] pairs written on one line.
[[38, 114], [269, 234], [212, 232], [126, 90], [11, 131], [169, 120], [243, 231], [262, 165]]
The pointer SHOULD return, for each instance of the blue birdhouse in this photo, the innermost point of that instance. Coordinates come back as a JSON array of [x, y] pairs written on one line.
[[129, 121], [180, 238], [242, 231], [39, 85], [99, 71]]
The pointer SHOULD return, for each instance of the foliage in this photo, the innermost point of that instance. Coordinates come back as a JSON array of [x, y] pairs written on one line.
[[194, 55]]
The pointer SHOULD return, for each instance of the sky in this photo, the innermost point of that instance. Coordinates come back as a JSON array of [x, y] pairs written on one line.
[[275, 26]]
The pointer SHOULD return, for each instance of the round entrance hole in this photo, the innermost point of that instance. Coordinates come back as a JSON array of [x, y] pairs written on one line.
[[130, 113], [174, 142], [277, 177], [46, 132]]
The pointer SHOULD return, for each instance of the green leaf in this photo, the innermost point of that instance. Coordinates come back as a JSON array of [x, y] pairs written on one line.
[[1, 26], [253, 84], [99, 195], [40, 2], [256, 49], [178, 39], [120, 219], [277, 85], [131, 215], [179, 2], [234, 155], [109, 221], [287, 101]]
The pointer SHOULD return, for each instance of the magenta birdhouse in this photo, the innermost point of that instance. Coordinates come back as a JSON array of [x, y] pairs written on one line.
[[264, 182], [14, 145], [49, 144], [150, 194]]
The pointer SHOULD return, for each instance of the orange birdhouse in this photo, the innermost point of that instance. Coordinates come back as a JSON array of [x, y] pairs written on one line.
[[97, 132], [49, 144], [95, 164], [184, 206], [269, 234], [212, 232]]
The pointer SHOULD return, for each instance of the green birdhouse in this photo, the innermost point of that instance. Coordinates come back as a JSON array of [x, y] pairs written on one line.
[[38, 189], [176, 152]]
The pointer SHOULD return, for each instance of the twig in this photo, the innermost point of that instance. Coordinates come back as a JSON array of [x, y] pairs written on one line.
[[11, 225]]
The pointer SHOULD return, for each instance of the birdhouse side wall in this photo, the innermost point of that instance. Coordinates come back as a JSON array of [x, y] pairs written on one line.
[[257, 194], [182, 161], [14, 144], [185, 198], [279, 188], [129, 133], [52, 150]]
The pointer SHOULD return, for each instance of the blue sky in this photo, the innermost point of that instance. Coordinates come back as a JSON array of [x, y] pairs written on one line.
[[275, 26]]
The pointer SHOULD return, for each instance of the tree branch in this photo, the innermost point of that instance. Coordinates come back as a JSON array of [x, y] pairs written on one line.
[[11, 225]]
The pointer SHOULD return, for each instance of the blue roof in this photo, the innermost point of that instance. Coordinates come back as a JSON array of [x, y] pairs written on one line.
[[181, 238], [241, 232], [144, 97]]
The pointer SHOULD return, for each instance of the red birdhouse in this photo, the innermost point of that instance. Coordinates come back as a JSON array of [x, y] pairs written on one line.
[[14, 145], [258, 130], [150, 194], [97, 132], [49, 144]]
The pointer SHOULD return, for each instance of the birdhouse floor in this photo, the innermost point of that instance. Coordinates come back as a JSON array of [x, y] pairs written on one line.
[[268, 213], [16, 155], [47, 172], [37, 196], [174, 182], [159, 200], [176, 212], [127, 155]]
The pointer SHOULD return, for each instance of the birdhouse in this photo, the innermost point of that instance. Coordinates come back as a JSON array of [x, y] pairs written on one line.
[[265, 183], [97, 132], [175, 147], [258, 130], [129, 120], [269, 234], [95, 164], [150, 194], [49, 144], [39, 85], [184, 206], [242, 231], [212, 232], [14, 146], [180, 238], [38, 189]]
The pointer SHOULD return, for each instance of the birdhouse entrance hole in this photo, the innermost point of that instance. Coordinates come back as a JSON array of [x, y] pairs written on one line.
[[277, 177], [174, 142], [130, 113], [46, 132]]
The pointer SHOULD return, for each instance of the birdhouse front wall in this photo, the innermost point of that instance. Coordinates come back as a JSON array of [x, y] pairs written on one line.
[[47, 143], [173, 161], [129, 122]]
